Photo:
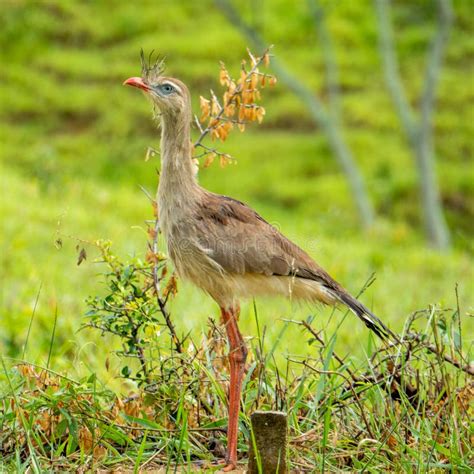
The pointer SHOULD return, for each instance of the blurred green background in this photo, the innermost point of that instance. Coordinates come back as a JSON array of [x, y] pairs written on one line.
[[73, 142]]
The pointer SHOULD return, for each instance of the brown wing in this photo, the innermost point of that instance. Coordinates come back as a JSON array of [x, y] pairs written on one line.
[[241, 241]]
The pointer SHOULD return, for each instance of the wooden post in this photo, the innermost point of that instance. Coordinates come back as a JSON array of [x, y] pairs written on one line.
[[268, 443]]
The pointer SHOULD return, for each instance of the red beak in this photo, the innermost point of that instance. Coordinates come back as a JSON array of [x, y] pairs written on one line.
[[137, 82]]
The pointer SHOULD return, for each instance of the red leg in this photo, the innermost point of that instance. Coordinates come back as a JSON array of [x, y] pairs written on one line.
[[237, 357]]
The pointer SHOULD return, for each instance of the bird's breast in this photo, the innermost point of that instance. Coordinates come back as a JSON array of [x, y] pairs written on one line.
[[189, 257]]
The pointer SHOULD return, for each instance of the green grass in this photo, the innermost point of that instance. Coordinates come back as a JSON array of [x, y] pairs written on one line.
[[73, 142], [397, 410]]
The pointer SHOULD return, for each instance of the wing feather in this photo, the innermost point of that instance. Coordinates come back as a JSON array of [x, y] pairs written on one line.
[[241, 241]]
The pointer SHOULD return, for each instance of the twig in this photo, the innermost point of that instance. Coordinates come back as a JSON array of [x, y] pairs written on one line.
[[335, 355], [146, 193], [156, 430], [468, 368], [356, 397]]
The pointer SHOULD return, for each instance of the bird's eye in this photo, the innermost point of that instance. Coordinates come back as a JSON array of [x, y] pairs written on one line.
[[167, 88]]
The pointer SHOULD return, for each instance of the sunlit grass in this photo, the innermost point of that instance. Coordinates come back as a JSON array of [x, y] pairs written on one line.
[[394, 409]]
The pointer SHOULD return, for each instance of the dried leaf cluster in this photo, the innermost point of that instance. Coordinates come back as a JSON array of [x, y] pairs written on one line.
[[238, 105]]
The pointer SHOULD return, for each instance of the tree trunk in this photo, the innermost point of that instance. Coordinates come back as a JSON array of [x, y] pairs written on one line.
[[419, 131]]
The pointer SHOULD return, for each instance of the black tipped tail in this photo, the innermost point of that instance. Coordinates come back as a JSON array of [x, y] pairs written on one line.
[[369, 318]]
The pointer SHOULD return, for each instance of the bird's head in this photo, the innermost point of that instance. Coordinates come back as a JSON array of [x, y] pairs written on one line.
[[169, 95]]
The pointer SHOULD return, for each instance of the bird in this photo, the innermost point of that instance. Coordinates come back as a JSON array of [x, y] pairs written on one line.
[[225, 247]]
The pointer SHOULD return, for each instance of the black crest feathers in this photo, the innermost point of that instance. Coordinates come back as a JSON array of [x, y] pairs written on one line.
[[152, 68]]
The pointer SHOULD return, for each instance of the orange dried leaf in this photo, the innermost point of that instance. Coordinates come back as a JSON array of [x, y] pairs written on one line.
[[392, 442], [229, 111], [221, 132], [247, 96], [223, 76], [44, 420], [99, 452], [85, 439], [254, 79], [154, 205], [215, 107], [205, 108], [231, 87], [171, 287], [243, 76], [242, 113], [119, 403], [209, 160], [132, 408], [224, 160], [266, 59], [27, 371]]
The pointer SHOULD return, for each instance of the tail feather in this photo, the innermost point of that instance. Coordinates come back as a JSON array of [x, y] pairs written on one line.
[[369, 318]]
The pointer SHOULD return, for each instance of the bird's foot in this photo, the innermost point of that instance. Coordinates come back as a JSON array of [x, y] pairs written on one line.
[[227, 465], [230, 466]]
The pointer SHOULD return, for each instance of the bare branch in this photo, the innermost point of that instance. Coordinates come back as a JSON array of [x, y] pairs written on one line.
[[392, 71], [339, 359], [433, 67], [159, 300], [327, 49], [468, 368]]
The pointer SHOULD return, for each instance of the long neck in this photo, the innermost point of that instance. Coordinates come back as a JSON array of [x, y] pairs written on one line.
[[177, 178]]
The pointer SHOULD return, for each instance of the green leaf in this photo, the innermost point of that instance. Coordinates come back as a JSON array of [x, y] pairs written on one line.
[[126, 372]]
